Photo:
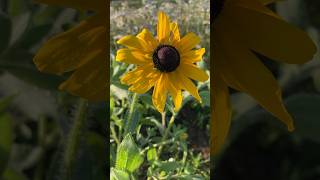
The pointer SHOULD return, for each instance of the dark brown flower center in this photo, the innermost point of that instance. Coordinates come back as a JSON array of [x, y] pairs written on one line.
[[166, 58], [217, 7]]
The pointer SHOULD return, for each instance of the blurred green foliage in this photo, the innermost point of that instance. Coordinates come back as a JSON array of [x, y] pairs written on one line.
[[36, 118]]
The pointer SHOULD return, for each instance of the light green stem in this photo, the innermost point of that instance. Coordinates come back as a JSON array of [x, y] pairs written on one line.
[[73, 140], [164, 137]]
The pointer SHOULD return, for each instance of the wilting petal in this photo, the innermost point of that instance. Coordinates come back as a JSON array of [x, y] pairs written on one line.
[[221, 114], [163, 28]]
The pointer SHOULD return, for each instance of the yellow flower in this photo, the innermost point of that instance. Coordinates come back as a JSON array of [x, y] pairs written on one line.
[[81, 50], [240, 28], [166, 62]]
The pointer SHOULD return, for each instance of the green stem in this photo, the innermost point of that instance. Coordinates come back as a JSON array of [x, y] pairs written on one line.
[[164, 137], [73, 140], [130, 114]]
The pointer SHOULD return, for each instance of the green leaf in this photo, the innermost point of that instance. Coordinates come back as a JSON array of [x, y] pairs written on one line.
[[128, 155], [168, 166], [5, 31], [117, 174], [152, 154], [6, 139]]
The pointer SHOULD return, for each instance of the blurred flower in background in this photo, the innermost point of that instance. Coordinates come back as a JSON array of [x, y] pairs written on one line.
[[241, 29]]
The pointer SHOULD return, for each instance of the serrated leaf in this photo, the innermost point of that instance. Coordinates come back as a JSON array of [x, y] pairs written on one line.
[[117, 174], [128, 155], [6, 139]]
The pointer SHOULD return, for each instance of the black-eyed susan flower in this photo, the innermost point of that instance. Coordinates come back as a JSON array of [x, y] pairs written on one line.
[[166, 63], [81, 50], [240, 29]]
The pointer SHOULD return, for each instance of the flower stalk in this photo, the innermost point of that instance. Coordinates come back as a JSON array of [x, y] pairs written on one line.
[[74, 137]]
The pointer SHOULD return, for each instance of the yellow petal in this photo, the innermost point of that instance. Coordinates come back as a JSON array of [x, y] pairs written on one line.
[[163, 28], [159, 95], [90, 80], [241, 70], [221, 114], [144, 84], [133, 76], [188, 85], [193, 55], [150, 42], [71, 49], [283, 42], [131, 42], [175, 93], [193, 72], [175, 33], [78, 4], [132, 57], [188, 42]]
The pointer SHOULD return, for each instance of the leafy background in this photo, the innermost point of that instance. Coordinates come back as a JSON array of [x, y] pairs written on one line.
[[35, 118], [259, 146]]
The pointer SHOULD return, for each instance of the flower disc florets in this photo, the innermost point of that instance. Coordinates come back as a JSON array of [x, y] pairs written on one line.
[[166, 58]]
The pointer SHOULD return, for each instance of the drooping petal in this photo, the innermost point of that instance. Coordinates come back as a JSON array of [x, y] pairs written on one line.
[[188, 42], [193, 72], [78, 4], [159, 95], [92, 74], [73, 48], [193, 55], [243, 71], [175, 33], [132, 57], [150, 42], [221, 114], [188, 85], [175, 93], [283, 42], [163, 28]]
